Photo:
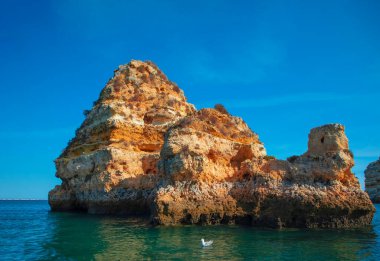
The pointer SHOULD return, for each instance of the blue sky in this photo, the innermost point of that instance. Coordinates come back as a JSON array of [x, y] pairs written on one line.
[[283, 66]]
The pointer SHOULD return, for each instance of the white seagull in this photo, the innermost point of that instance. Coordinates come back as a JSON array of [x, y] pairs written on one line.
[[206, 243]]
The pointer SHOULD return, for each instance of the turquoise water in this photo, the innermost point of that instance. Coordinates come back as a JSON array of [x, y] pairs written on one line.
[[28, 231]]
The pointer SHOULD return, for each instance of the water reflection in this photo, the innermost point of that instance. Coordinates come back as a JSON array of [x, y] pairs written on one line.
[[31, 232], [81, 237], [74, 236]]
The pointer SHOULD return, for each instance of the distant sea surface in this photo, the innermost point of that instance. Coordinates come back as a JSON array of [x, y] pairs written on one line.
[[29, 231]]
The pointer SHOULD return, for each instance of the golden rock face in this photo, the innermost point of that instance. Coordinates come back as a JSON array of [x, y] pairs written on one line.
[[143, 149], [327, 138], [133, 111], [117, 146]]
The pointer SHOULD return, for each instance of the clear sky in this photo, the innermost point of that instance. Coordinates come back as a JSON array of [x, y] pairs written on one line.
[[283, 66]]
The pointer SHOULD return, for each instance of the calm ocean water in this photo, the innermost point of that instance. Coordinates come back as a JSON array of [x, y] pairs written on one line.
[[28, 231]]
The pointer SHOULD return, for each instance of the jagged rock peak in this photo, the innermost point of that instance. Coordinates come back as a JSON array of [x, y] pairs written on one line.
[[138, 96], [131, 80]]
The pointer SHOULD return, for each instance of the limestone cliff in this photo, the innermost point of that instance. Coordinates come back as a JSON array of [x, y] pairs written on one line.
[[212, 178], [110, 165], [143, 149], [372, 181]]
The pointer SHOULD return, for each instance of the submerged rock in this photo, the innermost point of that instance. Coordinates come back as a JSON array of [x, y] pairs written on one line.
[[144, 150], [372, 181]]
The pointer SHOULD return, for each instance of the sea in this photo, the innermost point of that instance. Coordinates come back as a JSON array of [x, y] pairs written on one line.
[[30, 231]]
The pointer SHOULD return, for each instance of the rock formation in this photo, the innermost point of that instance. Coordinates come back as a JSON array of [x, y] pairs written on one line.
[[144, 150], [110, 165], [372, 181]]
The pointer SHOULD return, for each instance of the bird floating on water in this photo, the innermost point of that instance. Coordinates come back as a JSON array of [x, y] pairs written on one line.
[[206, 243]]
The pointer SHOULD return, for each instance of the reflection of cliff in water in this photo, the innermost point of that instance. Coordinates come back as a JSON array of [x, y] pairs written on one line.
[[126, 239], [82, 237]]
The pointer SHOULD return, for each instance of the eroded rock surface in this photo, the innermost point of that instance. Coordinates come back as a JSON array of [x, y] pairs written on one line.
[[143, 149], [372, 181], [212, 178], [111, 164]]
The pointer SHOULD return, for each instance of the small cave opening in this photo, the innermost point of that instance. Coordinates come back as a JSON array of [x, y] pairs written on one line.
[[150, 171], [246, 176], [322, 139]]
